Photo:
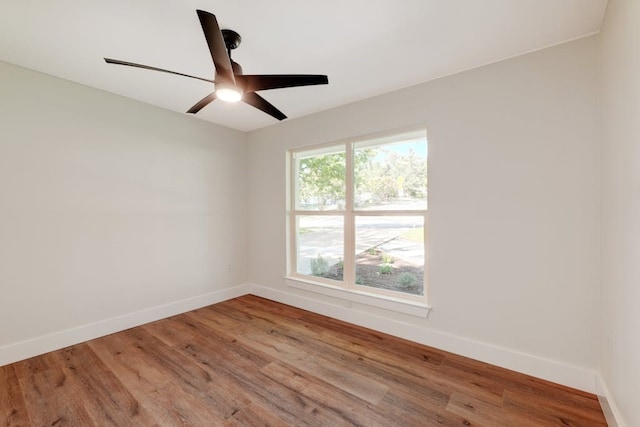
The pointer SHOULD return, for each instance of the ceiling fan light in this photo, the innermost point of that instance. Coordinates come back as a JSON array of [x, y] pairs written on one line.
[[229, 93]]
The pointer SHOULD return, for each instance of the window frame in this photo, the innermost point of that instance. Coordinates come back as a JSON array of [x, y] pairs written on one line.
[[348, 289]]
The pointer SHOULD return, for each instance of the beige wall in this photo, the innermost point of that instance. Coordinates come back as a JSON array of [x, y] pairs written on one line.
[[620, 205], [109, 206], [513, 202]]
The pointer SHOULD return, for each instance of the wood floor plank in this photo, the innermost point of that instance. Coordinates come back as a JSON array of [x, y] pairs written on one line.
[[254, 362], [464, 369], [344, 406], [13, 411], [415, 371], [49, 398], [477, 411], [184, 330], [550, 411], [361, 341], [188, 378], [416, 366], [104, 397], [254, 415], [169, 404], [367, 339], [412, 371], [411, 410], [333, 372], [414, 363], [236, 373]]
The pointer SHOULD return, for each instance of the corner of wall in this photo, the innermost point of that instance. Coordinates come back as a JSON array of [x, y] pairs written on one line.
[[609, 408]]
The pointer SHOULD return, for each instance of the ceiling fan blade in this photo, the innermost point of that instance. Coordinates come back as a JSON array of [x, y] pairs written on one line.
[[202, 103], [262, 104], [147, 67], [257, 82], [217, 47]]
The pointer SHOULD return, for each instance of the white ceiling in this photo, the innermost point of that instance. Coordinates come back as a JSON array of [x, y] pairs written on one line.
[[366, 47]]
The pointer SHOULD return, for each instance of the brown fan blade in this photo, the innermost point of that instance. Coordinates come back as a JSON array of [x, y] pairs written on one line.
[[262, 104], [147, 67], [202, 103], [257, 82], [215, 41]]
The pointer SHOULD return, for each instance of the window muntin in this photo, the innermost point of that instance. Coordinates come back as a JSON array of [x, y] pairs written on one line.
[[359, 214]]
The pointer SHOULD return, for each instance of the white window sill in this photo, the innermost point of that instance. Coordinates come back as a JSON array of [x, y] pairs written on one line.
[[399, 305]]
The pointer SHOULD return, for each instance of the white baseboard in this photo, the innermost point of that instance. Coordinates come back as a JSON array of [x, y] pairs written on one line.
[[571, 376], [551, 370], [611, 411], [43, 344]]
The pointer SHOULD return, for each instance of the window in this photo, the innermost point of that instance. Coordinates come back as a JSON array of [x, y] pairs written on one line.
[[358, 215]]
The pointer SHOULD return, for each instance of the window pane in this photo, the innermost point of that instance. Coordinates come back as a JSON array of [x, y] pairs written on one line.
[[320, 180], [391, 175], [390, 253], [320, 245]]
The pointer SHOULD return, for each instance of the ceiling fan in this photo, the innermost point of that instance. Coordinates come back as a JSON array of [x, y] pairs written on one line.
[[230, 84]]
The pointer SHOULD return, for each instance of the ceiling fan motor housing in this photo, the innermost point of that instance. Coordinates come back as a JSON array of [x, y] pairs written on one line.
[[231, 39]]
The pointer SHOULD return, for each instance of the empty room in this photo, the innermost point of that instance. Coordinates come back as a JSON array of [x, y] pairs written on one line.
[[373, 213]]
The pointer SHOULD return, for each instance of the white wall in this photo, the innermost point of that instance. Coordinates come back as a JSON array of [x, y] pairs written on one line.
[[620, 206], [513, 208], [109, 207]]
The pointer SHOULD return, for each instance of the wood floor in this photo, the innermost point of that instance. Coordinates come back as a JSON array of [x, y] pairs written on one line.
[[251, 361]]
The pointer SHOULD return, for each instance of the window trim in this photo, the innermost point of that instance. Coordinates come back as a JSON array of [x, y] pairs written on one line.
[[347, 289], [391, 303]]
